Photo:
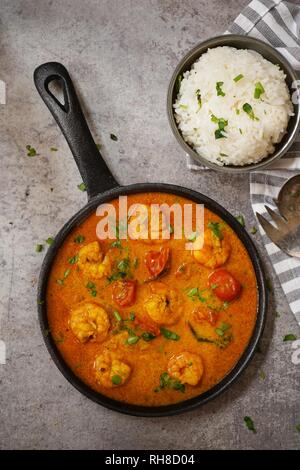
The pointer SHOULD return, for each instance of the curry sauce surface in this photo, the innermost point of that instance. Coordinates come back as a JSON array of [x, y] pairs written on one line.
[[149, 359]]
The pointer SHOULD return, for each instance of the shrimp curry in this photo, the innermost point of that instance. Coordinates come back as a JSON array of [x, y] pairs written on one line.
[[148, 322]]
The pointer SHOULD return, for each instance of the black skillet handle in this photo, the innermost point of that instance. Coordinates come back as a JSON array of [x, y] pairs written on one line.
[[70, 118]]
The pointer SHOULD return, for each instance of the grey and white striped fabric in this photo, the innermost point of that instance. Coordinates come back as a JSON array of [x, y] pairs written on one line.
[[276, 22]]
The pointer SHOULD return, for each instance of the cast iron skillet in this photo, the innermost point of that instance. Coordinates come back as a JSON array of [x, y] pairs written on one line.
[[101, 188]]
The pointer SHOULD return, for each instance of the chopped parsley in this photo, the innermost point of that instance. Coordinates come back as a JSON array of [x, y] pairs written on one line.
[[117, 316], [49, 240], [166, 381], [220, 92], [53, 149], [262, 374], [135, 263], [79, 239], [249, 423], [298, 427], [215, 227], [290, 337], [98, 146], [116, 379], [253, 230], [91, 286], [60, 282], [248, 109], [113, 137], [241, 220], [66, 273], [82, 186], [39, 248], [183, 106], [132, 340], [259, 90], [194, 293], [241, 132], [147, 336], [169, 334], [178, 84], [31, 152], [116, 244], [222, 123], [238, 77], [221, 343], [73, 260], [222, 329], [192, 236], [122, 271], [198, 95]]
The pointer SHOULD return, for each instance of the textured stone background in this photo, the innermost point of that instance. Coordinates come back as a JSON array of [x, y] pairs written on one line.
[[121, 55]]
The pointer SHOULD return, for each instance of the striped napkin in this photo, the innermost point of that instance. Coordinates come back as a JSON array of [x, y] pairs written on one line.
[[276, 22]]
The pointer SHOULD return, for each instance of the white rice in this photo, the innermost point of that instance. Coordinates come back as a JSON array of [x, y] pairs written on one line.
[[247, 140]]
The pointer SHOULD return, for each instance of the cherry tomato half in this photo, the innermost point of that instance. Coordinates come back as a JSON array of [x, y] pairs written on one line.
[[156, 261], [124, 292], [224, 285]]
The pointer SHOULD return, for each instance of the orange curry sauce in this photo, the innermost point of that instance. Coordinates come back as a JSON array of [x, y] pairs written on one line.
[[70, 286]]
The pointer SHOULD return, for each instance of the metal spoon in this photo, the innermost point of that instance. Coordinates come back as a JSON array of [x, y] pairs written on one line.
[[286, 234]]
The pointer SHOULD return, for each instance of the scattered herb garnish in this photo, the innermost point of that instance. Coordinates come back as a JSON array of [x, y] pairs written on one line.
[[237, 111], [248, 109], [82, 186], [166, 381], [40, 302], [262, 374], [171, 229], [147, 336], [53, 149], [220, 92], [222, 329], [123, 270], [113, 137], [135, 263], [178, 84], [117, 316], [223, 154], [132, 340], [249, 423], [183, 106], [39, 248], [259, 90], [116, 379], [198, 94], [238, 77], [290, 337], [215, 227], [192, 236], [79, 239], [47, 332], [66, 273], [298, 427], [31, 152], [60, 282], [50, 240], [221, 343], [98, 146], [241, 220], [73, 260], [169, 334], [253, 230], [116, 244], [195, 293], [91, 286], [222, 123], [132, 316], [241, 132]]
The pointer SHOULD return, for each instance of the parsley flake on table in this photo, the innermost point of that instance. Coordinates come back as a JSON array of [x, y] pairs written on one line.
[[31, 151], [249, 423]]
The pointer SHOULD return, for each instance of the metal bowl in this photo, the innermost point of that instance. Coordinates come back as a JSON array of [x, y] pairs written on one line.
[[239, 42]]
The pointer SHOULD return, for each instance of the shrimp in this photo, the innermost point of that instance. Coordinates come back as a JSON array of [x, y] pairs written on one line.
[[110, 370], [164, 305], [92, 261], [210, 250], [89, 321], [186, 367]]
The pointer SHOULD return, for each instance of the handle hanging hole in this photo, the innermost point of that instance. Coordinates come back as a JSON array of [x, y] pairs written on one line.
[[56, 88]]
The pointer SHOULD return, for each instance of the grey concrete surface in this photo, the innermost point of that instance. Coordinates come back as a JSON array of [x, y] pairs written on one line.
[[121, 55]]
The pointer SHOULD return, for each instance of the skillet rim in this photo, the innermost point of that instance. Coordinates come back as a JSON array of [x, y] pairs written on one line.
[[238, 368]]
